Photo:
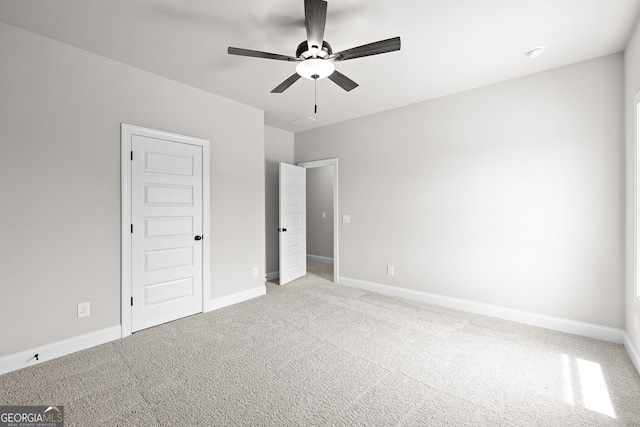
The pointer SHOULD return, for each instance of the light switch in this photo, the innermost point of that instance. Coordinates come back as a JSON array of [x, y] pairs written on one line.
[[346, 219], [324, 214]]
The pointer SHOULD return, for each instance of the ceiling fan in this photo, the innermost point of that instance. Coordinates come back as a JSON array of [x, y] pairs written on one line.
[[314, 56]]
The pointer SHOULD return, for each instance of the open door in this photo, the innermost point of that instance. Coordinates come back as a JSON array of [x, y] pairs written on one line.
[[293, 222]]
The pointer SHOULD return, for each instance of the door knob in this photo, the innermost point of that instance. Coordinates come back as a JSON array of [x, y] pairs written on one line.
[[198, 237], [282, 229]]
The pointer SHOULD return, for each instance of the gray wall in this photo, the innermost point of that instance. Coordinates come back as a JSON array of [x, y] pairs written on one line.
[[632, 87], [60, 115], [319, 200], [510, 194], [278, 147]]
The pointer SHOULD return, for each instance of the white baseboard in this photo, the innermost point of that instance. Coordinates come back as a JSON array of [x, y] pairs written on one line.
[[589, 330], [273, 275], [46, 352], [633, 354], [318, 258], [221, 302]]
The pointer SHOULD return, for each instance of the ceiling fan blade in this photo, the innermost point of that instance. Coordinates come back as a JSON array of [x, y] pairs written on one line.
[[315, 18], [259, 54], [285, 84], [375, 48], [343, 81]]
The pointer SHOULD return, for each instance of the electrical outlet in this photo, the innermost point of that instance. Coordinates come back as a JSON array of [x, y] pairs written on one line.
[[84, 309], [390, 270], [346, 219], [255, 272]]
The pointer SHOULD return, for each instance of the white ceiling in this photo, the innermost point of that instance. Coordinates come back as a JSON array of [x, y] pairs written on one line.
[[447, 45]]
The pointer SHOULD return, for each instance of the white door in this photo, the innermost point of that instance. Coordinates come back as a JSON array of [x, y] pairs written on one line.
[[166, 244], [293, 222]]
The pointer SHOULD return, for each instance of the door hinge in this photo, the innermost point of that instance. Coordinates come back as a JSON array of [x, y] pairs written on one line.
[[131, 301], [132, 155], [132, 228]]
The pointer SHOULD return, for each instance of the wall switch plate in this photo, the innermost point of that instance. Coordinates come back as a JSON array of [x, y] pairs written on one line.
[[346, 219], [324, 215], [390, 270], [84, 309], [255, 272]]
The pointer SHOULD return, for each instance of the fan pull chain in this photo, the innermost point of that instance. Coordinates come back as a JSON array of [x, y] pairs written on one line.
[[315, 92]]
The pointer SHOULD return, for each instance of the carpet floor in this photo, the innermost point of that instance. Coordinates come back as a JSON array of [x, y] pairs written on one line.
[[316, 353]]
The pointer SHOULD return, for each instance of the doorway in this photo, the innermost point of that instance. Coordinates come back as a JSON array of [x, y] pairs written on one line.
[[319, 243]]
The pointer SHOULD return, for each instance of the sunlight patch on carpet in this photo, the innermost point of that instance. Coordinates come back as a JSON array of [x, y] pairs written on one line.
[[592, 386], [567, 380], [594, 389]]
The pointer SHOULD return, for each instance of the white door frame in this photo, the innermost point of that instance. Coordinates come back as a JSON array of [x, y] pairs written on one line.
[[127, 132], [317, 164], [636, 202]]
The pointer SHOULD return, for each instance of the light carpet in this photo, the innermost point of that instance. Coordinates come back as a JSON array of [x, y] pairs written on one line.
[[316, 353]]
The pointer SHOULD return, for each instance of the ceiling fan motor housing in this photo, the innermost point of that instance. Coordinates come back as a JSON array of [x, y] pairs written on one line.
[[303, 51]]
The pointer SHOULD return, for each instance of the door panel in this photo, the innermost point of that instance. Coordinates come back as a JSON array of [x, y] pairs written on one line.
[[293, 228], [168, 195], [168, 258], [166, 202], [168, 291], [168, 226]]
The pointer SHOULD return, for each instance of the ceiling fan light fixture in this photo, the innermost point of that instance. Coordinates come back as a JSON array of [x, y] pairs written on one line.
[[314, 68]]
